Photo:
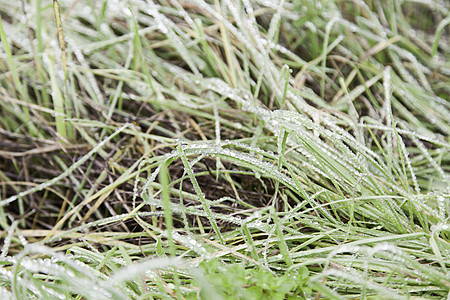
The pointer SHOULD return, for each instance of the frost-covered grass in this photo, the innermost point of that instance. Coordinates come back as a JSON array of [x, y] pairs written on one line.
[[225, 149]]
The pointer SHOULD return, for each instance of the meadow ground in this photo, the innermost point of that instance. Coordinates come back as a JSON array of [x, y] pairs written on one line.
[[224, 149]]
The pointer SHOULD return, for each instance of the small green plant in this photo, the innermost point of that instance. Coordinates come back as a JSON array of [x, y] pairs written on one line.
[[238, 282]]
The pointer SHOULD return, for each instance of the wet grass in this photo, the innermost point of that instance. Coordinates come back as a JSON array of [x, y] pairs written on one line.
[[224, 149]]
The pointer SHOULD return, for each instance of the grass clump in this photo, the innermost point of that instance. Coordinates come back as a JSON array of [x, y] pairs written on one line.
[[224, 149]]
